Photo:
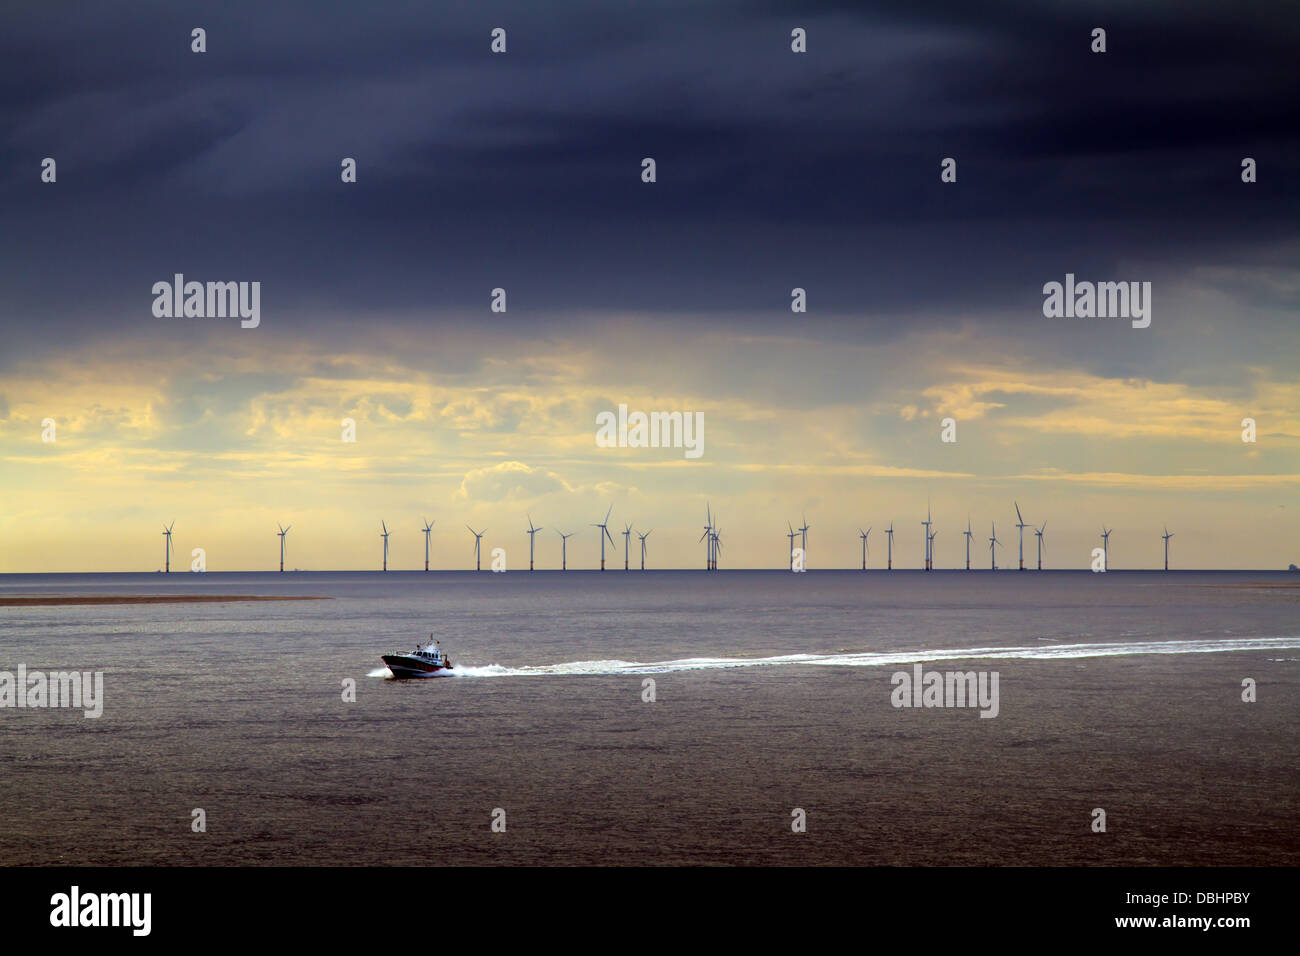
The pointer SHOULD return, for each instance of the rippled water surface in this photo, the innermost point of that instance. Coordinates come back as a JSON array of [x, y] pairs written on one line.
[[772, 692]]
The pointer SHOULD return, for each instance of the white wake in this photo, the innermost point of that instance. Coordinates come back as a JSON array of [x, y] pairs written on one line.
[[877, 659]]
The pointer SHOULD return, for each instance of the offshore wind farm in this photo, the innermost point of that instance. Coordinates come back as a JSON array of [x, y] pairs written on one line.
[[1096, 560]]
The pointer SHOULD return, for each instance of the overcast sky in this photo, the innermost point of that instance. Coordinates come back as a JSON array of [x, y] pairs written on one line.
[[523, 171]]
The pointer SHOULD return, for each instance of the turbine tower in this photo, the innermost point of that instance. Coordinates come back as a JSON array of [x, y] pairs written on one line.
[[282, 533], [532, 537], [993, 540], [1105, 548], [930, 543], [791, 535], [889, 563], [478, 537], [1167, 535], [1041, 545], [715, 539], [863, 535], [968, 534], [428, 526], [167, 547], [627, 538], [384, 534], [1022, 525], [803, 541], [564, 548], [604, 533], [708, 536], [927, 522], [643, 537]]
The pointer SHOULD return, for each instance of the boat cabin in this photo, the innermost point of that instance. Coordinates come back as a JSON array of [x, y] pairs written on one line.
[[431, 652]]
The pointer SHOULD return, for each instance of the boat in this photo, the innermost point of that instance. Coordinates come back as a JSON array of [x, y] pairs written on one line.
[[427, 661]]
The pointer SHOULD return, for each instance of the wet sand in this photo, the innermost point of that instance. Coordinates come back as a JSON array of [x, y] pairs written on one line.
[[1262, 584], [62, 600]]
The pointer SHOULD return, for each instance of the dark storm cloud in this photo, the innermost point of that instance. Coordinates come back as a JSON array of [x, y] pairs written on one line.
[[522, 170]]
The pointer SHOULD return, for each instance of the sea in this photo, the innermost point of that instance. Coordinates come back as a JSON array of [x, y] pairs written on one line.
[[659, 718]]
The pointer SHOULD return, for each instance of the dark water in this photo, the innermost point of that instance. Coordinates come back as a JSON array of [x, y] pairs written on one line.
[[238, 709]]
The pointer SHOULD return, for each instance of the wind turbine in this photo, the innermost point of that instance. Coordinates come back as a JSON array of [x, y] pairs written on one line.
[[384, 534], [803, 541], [1041, 545], [1167, 535], [627, 538], [532, 537], [1105, 548], [428, 526], [707, 536], [564, 548], [889, 564], [927, 522], [478, 537], [643, 537], [993, 540], [1022, 525], [863, 535], [967, 533], [282, 532], [930, 542], [715, 538], [604, 533], [167, 547], [791, 535]]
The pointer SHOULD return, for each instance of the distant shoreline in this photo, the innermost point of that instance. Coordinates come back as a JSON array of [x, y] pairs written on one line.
[[54, 601]]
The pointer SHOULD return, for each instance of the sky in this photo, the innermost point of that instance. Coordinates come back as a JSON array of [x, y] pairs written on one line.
[[522, 170]]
